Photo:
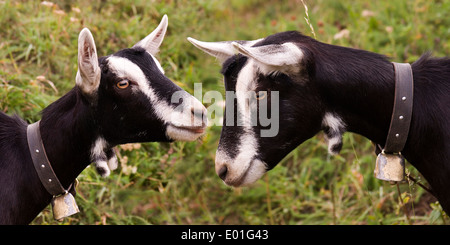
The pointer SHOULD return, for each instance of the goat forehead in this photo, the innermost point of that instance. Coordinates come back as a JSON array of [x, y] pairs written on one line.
[[141, 58], [234, 63], [124, 68], [160, 100]]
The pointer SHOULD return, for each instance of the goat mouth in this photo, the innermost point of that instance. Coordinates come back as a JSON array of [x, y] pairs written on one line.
[[236, 183], [192, 129], [254, 172], [185, 133]]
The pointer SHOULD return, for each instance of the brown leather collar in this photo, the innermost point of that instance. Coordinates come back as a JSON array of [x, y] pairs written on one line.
[[40, 161], [402, 112]]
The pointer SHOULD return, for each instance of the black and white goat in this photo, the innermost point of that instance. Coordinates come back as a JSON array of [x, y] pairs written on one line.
[[120, 98], [329, 88]]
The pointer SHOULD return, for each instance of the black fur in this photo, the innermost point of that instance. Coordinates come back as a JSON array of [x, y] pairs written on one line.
[[230, 71], [358, 86]]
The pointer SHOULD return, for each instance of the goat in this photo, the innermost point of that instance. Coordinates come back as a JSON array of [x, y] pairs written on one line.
[[120, 98], [330, 88]]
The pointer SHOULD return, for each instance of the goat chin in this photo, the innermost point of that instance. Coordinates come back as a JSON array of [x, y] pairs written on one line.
[[184, 133], [253, 173]]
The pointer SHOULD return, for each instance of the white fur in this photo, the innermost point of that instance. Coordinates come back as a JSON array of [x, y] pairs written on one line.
[[104, 166], [99, 147], [113, 163], [126, 69], [244, 169], [335, 123], [99, 157], [221, 50], [284, 57], [331, 143], [245, 83]]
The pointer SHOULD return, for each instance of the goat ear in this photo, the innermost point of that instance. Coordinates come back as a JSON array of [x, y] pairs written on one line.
[[284, 57], [88, 74], [221, 50], [152, 42]]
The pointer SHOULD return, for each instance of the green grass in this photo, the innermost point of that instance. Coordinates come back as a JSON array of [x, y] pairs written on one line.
[[161, 183]]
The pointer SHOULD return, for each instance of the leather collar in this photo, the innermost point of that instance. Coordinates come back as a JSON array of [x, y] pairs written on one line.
[[41, 163], [402, 112]]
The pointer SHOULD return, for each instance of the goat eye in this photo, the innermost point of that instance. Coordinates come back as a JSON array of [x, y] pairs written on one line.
[[260, 95], [123, 84]]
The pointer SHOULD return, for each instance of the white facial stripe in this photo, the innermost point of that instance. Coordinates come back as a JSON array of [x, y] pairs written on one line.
[[244, 168], [245, 83], [179, 117], [126, 69]]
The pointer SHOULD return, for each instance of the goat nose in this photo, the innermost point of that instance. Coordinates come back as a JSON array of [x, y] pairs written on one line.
[[199, 114], [223, 172]]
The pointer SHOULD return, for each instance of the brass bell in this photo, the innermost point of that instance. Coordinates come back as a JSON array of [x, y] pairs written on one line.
[[390, 167], [63, 206]]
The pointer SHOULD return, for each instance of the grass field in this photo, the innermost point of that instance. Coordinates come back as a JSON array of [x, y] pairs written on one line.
[[162, 183]]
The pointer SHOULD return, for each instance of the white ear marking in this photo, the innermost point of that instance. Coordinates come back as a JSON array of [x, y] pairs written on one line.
[[88, 74], [221, 50], [284, 57], [152, 42]]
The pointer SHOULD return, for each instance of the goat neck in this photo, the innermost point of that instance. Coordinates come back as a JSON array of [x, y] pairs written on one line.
[[68, 130], [360, 89]]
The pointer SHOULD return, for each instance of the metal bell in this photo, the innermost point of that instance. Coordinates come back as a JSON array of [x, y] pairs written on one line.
[[63, 206], [390, 167]]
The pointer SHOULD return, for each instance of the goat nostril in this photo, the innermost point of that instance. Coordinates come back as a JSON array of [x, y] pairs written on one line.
[[223, 172], [197, 113]]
